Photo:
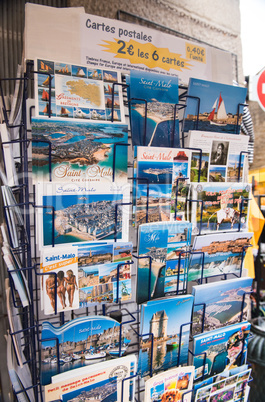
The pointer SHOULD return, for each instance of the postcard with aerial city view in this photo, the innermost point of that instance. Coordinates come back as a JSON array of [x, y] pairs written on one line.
[[224, 348], [75, 214], [152, 98], [221, 253], [218, 107], [221, 303], [79, 151], [222, 154], [78, 92], [163, 242]]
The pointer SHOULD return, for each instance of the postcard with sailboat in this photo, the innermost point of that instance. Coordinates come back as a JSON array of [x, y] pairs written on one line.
[[212, 106]]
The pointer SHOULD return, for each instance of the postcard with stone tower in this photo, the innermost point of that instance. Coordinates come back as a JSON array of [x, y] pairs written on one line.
[[221, 303], [215, 107], [163, 339]]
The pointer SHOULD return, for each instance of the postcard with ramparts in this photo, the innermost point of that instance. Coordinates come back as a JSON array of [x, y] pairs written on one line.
[[165, 272], [75, 214], [221, 156], [220, 207], [218, 107], [172, 385], [78, 92], [166, 172], [222, 349], [153, 98], [221, 303], [78, 151], [218, 254]]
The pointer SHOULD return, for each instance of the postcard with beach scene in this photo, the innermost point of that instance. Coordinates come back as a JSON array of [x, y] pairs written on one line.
[[218, 107], [223, 156], [152, 97], [78, 92], [170, 384], [222, 349], [160, 245], [79, 151], [75, 214], [220, 207], [221, 253], [221, 303], [82, 341], [163, 319]]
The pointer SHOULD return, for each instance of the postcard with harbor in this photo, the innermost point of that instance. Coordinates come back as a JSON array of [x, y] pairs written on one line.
[[212, 106], [163, 319], [154, 118], [218, 254], [221, 303], [78, 151], [225, 348]]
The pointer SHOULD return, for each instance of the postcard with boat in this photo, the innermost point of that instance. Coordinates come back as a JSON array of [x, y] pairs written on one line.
[[153, 115], [160, 248], [220, 207], [161, 322], [78, 151], [221, 349], [212, 106], [221, 303], [218, 254], [223, 159]]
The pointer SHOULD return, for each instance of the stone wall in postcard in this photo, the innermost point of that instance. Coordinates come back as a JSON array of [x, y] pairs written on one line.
[[258, 117]]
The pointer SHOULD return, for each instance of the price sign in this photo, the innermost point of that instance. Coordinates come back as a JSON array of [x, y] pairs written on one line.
[[196, 53]]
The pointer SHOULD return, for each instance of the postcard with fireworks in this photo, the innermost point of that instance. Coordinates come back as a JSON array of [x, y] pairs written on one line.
[[221, 303], [152, 100], [218, 107], [78, 151], [222, 155], [221, 206], [160, 245], [218, 254], [161, 322], [75, 214], [78, 92], [171, 384], [220, 349]]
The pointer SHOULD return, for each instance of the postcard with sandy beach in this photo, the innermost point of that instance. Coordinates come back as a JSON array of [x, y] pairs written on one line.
[[218, 107], [221, 303], [221, 253], [79, 151], [224, 348], [153, 98]]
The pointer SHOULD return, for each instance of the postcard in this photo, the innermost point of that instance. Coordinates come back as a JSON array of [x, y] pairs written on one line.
[[161, 321], [163, 242], [221, 303], [82, 341], [8, 156], [221, 206], [218, 254], [79, 151], [78, 92], [172, 385], [152, 97], [221, 156], [218, 107], [91, 213]]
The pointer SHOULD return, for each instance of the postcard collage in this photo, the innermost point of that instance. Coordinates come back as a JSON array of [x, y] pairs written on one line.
[[188, 209]]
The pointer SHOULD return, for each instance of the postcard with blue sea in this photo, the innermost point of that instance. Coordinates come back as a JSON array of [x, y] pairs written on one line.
[[78, 151], [221, 349], [212, 106], [218, 254], [221, 303], [153, 97], [163, 319], [160, 245]]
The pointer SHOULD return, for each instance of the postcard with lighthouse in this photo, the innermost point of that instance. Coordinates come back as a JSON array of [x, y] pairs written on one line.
[[212, 106]]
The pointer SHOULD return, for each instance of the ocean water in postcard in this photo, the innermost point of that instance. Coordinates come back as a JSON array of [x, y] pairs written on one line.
[[106, 388]]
